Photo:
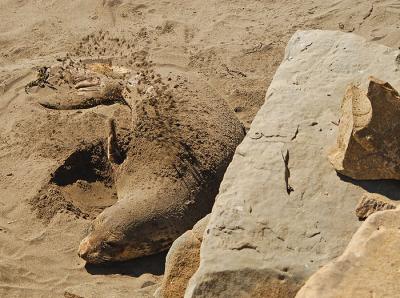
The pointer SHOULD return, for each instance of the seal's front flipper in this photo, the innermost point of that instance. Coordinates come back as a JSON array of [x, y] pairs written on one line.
[[113, 154]]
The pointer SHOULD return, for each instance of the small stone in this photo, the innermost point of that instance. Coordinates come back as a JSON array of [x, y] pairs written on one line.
[[371, 203]]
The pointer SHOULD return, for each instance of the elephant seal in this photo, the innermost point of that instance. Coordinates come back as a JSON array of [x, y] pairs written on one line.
[[183, 139]]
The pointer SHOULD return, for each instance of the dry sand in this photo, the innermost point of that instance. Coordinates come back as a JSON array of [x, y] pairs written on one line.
[[234, 46]]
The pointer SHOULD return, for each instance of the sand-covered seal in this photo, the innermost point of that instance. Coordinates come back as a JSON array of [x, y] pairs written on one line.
[[182, 142]]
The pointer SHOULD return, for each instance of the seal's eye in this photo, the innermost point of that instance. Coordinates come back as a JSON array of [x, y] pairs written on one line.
[[111, 248], [110, 244]]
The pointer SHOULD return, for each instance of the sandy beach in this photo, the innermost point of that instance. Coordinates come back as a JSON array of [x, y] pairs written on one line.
[[232, 46]]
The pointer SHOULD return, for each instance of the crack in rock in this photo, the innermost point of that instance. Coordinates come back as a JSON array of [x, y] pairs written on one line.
[[244, 246], [295, 133], [285, 158], [369, 13]]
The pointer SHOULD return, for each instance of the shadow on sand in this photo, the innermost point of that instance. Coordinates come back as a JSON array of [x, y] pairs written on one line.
[[154, 264]]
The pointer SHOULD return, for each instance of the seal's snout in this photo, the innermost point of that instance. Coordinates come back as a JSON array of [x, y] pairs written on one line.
[[91, 251], [84, 249]]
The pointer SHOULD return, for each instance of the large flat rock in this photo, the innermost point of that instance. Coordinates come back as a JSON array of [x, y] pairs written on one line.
[[283, 212]]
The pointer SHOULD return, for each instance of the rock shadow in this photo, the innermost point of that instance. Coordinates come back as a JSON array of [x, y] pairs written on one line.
[[387, 188], [154, 264]]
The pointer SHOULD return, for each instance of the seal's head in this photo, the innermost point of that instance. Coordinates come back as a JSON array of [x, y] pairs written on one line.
[[100, 245], [114, 236]]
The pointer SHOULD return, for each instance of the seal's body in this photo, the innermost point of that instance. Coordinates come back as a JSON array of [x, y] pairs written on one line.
[[181, 146]]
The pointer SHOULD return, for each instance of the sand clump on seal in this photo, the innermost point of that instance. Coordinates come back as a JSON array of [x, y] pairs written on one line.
[[182, 141]]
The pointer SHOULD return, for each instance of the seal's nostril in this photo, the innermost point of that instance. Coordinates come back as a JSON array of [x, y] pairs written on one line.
[[82, 254]]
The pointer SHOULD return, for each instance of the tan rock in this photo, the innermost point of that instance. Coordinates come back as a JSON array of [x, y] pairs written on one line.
[[182, 262], [371, 203], [368, 146], [369, 267]]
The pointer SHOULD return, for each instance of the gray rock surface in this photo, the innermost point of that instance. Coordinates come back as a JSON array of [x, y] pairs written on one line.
[[282, 211]]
